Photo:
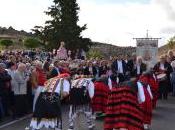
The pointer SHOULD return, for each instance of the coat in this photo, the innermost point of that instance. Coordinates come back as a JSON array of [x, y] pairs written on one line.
[[5, 79], [20, 87], [115, 67]]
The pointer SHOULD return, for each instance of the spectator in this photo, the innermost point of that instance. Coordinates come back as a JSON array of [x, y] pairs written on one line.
[[103, 68], [11, 71], [171, 55], [20, 90], [46, 65], [5, 89], [140, 67], [131, 64], [90, 69], [119, 67], [28, 72]]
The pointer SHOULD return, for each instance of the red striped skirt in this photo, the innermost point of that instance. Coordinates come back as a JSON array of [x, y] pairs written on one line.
[[100, 97], [123, 110]]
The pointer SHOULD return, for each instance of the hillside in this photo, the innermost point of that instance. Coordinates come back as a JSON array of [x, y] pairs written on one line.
[[106, 49], [112, 50], [13, 32]]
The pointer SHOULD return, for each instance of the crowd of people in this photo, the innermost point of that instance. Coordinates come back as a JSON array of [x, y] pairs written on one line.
[[122, 89]]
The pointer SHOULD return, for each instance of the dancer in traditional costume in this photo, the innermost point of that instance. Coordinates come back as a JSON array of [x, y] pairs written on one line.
[[123, 110], [47, 111], [154, 85], [100, 96], [146, 106], [81, 93]]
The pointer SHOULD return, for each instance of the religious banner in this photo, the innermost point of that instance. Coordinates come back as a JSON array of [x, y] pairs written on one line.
[[147, 48]]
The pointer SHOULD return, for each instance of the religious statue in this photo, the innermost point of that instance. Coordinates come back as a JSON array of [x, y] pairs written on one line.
[[62, 52]]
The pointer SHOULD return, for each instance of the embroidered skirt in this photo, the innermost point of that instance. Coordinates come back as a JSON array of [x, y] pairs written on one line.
[[47, 111], [79, 96]]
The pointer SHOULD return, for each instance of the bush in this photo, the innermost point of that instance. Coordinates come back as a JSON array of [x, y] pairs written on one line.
[[32, 43], [93, 53], [6, 43]]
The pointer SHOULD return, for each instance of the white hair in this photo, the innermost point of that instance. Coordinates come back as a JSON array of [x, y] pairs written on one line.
[[21, 65], [38, 63], [139, 58]]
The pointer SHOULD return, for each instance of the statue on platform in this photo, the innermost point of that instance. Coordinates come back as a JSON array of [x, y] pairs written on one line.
[[62, 52]]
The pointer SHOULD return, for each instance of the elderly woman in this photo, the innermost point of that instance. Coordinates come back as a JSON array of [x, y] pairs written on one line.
[[20, 90]]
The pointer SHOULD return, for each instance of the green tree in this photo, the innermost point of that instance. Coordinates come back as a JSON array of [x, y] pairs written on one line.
[[32, 43], [6, 43], [171, 43], [63, 26]]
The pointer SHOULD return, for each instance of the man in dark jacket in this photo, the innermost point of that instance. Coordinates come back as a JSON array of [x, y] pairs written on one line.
[[5, 88], [119, 67], [131, 65]]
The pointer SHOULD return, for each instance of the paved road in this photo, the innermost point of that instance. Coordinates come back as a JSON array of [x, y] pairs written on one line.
[[163, 119]]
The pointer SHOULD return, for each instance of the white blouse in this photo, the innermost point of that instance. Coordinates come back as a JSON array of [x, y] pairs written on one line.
[[141, 94]]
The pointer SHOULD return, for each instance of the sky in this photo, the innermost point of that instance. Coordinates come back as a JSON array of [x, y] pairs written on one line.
[[111, 21]]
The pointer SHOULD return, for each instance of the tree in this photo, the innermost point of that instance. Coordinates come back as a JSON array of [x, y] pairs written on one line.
[[94, 53], [63, 26], [6, 43], [32, 43], [171, 43]]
